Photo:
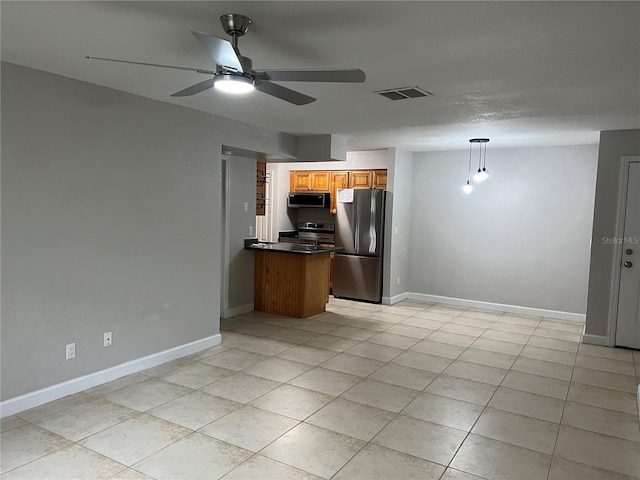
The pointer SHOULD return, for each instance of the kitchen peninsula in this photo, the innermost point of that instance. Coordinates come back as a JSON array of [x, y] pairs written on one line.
[[290, 279]]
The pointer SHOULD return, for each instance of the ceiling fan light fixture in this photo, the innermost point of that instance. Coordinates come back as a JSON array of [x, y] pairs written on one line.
[[233, 83], [234, 72]]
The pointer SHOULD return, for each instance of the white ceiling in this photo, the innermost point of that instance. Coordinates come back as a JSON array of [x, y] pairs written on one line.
[[521, 73]]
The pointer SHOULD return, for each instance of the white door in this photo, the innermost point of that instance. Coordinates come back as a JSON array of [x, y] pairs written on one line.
[[628, 321]]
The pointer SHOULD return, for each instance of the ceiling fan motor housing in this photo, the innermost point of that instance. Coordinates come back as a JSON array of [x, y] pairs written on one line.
[[235, 24]]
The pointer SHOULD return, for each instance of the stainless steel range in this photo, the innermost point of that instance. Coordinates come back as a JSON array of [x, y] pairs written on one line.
[[313, 233]]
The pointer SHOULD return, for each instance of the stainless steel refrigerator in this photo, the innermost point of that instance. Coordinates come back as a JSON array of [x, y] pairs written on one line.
[[357, 268]]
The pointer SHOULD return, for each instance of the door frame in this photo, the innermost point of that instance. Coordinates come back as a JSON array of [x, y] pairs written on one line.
[[224, 238], [614, 295], [273, 204]]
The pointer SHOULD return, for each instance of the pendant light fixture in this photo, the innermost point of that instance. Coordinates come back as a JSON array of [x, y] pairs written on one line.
[[467, 188], [482, 174]]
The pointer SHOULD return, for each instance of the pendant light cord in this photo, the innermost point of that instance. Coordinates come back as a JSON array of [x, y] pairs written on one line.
[[484, 161], [469, 172]]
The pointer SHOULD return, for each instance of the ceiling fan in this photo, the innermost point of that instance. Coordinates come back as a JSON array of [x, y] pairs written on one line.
[[234, 72]]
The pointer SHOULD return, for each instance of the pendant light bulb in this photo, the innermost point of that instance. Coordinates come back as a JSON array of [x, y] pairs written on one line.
[[481, 175], [467, 188]]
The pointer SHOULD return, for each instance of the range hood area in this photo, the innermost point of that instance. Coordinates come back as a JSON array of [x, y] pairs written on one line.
[[297, 148], [309, 200]]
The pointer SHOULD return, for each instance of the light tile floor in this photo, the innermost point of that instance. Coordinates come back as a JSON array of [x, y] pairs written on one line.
[[410, 391]]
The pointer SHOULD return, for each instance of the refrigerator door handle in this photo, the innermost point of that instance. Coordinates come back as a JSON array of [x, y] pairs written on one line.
[[372, 228], [356, 222]]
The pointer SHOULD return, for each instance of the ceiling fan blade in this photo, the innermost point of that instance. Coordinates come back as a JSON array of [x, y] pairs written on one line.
[[193, 89], [199, 70], [284, 93], [220, 50], [354, 75]]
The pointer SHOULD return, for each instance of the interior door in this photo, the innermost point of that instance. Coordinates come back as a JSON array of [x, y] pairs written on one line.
[[628, 321]]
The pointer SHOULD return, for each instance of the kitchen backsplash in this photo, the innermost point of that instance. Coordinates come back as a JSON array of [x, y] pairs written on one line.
[[315, 215]]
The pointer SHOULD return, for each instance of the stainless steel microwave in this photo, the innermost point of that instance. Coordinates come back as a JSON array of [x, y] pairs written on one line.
[[309, 200]]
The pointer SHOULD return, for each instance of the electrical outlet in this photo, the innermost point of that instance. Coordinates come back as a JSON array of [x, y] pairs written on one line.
[[71, 350], [251, 231], [246, 206], [107, 339], [398, 281], [396, 230]]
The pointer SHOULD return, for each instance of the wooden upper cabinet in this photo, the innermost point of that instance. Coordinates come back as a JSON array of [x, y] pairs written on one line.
[[300, 181], [337, 181], [320, 181], [360, 179], [380, 179], [306, 180], [333, 180]]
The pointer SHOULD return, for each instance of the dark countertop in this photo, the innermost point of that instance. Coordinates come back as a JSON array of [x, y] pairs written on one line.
[[290, 248]]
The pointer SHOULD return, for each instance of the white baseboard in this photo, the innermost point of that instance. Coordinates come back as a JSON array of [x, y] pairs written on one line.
[[601, 340], [536, 312], [239, 310], [395, 299], [75, 385]]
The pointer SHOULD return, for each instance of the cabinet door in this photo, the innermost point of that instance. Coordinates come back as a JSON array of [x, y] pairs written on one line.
[[299, 181], [380, 179], [360, 179], [338, 180], [320, 181]]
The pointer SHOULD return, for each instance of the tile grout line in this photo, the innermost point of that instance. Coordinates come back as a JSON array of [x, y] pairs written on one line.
[[423, 390], [466, 348], [564, 407], [477, 419], [363, 379], [340, 396]]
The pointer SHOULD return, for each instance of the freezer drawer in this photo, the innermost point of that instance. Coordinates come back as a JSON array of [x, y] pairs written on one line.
[[356, 277]]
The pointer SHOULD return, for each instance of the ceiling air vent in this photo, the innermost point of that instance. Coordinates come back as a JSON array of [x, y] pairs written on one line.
[[404, 92]]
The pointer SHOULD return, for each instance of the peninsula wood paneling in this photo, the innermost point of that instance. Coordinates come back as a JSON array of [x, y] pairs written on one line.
[[291, 284]]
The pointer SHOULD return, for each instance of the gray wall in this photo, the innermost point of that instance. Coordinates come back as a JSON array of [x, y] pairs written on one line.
[[613, 146], [242, 185], [398, 223], [110, 222], [521, 238]]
